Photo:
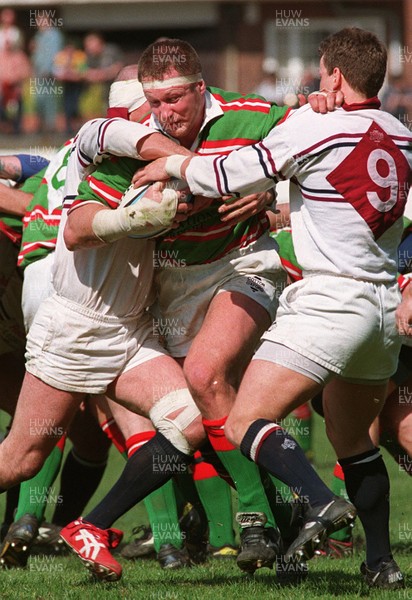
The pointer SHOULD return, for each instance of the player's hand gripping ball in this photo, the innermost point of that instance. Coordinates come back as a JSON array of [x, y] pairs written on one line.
[[156, 206]]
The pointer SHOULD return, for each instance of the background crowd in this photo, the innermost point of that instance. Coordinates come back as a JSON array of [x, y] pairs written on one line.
[[53, 81]]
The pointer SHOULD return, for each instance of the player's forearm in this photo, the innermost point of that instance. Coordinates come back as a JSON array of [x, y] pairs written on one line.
[[157, 145], [10, 168], [12, 201], [78, 231], [111, 136], [240, 172]]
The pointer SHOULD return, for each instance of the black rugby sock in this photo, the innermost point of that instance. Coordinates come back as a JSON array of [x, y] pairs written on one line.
[[87, 477], [145, 471], [272, 448], [367, 484]]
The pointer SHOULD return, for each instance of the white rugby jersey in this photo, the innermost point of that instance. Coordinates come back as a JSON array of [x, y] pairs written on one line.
[[116, 279], [350, 172]]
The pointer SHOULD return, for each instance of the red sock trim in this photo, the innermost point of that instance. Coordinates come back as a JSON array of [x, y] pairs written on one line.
[[136, 441], [338, 472], [202, 469], [61, 443], [216, 434], [114, 434], [303, 412]]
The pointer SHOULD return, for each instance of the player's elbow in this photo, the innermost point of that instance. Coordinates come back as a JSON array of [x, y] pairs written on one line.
[[70, 238]]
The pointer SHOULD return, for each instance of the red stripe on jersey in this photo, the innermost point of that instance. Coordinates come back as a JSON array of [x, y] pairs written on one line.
[[223, 143], [322, 198], [285, 116], [103, 133], [222, 147], [40, 212], [10, 233], [337, 136], [253, 104], [82, 162], [218, 182], [403, 282], [30, 247], [106, 192], [269, 157], [251, 236], [294, 271]]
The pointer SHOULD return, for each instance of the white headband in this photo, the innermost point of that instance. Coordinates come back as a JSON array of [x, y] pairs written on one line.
[[126, 94], [161, 84]]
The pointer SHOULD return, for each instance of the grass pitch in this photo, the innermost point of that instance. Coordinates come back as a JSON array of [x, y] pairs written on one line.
[[61, 578]]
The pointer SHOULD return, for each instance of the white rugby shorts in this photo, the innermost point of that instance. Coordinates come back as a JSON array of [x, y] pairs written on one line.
[[37, 286], [185, 292], [346, 325], [75, 349]]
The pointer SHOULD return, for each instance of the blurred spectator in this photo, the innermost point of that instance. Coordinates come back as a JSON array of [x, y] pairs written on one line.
[[310, 82], [47, 42], [14, 70], [397, 100], [9, 33], [70, 65], [103, 61], [269, 86]]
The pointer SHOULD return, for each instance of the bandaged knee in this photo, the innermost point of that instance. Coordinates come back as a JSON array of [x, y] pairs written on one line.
[[173, 428]]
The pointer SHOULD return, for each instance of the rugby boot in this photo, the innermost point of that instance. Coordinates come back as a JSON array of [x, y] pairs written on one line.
[[259, 546], [170, 557], [318, 524], [92, 545], [48, 540], [142, 546], [195, 533], [15, 549], [387, 577]]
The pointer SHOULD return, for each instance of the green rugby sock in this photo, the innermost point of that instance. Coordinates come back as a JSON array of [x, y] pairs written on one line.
[[34, 493], [245, 474], [216, 497]]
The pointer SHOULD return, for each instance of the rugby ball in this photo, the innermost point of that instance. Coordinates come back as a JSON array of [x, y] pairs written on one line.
[[148, 194]]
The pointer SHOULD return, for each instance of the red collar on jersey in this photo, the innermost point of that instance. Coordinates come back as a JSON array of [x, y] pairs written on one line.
[[118, 111], [369, 103]]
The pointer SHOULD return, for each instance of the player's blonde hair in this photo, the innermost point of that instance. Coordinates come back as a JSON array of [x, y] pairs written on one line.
[[166, 54]]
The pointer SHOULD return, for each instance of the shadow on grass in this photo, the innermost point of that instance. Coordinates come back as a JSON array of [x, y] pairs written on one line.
[[318, 584]]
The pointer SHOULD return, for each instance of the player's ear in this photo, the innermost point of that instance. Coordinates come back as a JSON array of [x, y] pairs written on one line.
[[336, 79], [202, 86]]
